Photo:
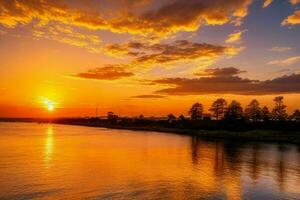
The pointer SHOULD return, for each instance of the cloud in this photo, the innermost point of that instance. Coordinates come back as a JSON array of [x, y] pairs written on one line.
[[158, 17], [181, 50], [280, 49], [283, 71], [267, 3], [190, 15], [294, 2], [129, 49], [287, 61], [228, 85], [235, 37], [109, 72], [220, 72], [67, 35], [45, 11], [292, 19], [184, 50], [149, 96], [116, 49], [2, 32]]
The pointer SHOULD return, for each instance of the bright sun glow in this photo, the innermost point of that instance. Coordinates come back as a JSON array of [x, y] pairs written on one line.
[[50, 105]]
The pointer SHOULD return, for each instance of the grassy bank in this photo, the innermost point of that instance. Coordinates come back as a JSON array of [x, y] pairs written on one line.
[[252, 135]]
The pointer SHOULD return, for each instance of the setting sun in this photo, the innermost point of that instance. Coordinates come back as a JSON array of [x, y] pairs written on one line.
[[49, 105], [150, 99]]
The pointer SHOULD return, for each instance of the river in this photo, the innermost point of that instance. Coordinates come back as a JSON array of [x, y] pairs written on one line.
[[48, 161]]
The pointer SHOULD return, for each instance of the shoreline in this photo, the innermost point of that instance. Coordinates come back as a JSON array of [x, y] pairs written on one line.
[[255, 135], [252, 135]]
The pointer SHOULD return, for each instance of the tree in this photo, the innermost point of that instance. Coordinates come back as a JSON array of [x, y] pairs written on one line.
[[171, 117], [253, 111], [279, 111], [234, 111], [265, 114], [218, 108], [296, 115], [196, 111], [181, 118], [141, 116]]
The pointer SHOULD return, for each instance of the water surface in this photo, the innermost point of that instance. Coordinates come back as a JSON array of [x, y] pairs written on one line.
[[47, 161]]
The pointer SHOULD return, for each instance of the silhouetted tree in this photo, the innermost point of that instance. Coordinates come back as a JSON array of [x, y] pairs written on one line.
[[141, 117], [196, 111], [296, 115], [279, 110], [265, 114], [181, 118], [234, 111], [218, 108], [171, 117], [253, 111]]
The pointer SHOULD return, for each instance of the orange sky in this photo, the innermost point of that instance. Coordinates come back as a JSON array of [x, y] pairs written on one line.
[[151, 57]]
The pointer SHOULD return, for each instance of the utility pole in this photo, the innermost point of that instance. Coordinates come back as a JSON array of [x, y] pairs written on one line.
[[96, 112]]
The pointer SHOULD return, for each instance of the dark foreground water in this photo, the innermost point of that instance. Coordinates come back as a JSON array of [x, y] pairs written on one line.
[[70, 162]]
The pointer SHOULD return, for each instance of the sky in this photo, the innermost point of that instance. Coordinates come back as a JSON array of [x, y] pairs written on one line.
[[62, 58]]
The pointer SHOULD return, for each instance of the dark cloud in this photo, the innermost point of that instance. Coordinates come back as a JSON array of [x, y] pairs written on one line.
[[157, 17], [229, 85], [173, 16], [109, 72], [165, 53], [228, 71]]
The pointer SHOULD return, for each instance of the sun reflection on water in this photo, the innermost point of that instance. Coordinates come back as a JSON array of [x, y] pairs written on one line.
[[49, 145], [120, 164]]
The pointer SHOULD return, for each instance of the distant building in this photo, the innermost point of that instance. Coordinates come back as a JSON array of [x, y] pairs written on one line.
[[111, 116]]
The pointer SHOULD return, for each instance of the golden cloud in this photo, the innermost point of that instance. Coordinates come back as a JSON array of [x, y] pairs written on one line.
[[178, 51], [292, 19], [24, 12], [67, 35], [235, 37], [294, 2], [287, 61], [109, 72], [267, 3], [158, 17]]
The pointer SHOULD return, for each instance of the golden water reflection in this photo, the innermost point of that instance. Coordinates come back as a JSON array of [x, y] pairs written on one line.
[[94, 163], [49, 145]]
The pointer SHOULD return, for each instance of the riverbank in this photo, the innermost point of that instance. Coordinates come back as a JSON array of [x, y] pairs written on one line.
[[272, 132], [252, 135]]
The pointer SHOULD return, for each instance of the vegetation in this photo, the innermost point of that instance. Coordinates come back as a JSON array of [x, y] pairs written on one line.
[[222, 116], [296, 115], [196, 111], [252, 113], [234, 111], [265, 114], [218, 108], [224, 121], [279, 111]]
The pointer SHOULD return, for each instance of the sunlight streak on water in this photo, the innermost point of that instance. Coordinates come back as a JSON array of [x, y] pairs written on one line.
[[49, 145]]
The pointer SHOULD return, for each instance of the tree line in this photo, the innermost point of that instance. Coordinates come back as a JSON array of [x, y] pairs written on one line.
[[223, 116], [221, 110]]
